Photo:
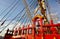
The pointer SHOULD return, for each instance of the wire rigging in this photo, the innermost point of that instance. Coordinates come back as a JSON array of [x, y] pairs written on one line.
[[22, 21], [19, 20], [1, 10], [34, 3], [13, 19], [10, 10], [25, 20], [6, 26], [6, 18], [9, 15], [48, 7], [27, 10], [7, 7], [31, 5]]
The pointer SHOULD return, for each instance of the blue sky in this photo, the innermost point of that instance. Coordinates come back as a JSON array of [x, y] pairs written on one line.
[[55, 8], [4, 4]]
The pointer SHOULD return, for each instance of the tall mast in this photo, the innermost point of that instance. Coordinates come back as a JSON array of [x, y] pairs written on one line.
[[43, 10]]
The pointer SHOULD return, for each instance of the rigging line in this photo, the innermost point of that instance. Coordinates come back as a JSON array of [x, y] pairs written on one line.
[[1, 10], [18, 21], [22, 21], [14, 10], [13, 19], [16, 16], [33, 3], [30, 1], [20, 12], [9, 15], [9, 10], [27, 23], [30, 6], [25, 19], [28, 19], [5, 20], [27, 9], [48, 7], [5, 15], [7, 7]]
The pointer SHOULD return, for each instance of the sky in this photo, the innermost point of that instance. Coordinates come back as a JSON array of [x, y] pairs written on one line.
[[6, 5], [55, 8]]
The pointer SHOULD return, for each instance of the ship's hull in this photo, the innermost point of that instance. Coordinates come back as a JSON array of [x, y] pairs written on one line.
[[48, 36]]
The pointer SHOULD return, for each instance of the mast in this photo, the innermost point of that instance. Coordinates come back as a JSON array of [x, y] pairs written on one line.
[[43, 10]]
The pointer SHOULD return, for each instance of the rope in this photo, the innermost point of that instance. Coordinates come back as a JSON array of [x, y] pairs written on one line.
[[19, 20], [9, 10], [8, 16], [25, 12], [13, 19], [3, 29]]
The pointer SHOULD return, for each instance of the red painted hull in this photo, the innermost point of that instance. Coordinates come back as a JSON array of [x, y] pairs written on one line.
[[48, 36]]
